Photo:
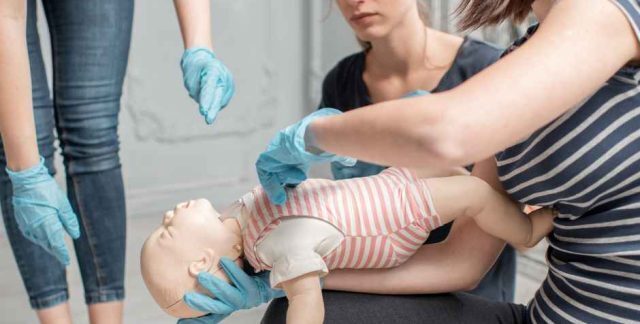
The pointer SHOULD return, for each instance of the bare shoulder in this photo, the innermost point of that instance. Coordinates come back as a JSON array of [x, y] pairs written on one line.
[[443, 47]]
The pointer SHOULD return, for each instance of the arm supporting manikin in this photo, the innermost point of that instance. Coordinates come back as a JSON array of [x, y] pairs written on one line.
[[305, 299]]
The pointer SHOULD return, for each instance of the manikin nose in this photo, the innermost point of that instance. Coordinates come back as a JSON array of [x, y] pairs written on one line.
[[167, 217]]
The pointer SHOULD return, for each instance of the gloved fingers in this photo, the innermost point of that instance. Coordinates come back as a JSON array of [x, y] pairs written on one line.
[[191, 72], [293, 176], [345, 160], [273, 187], [416, 93], [35, 235], [207, 319], [55, 242], [263, 277], [238, 277], [207, 91], [59, 250], [191, 81], [229, 89], [220, 289], [206, 304], [193, 87], [215, 107], [69, 219]]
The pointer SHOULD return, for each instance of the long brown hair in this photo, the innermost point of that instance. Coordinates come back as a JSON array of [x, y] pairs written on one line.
[[477, 13]]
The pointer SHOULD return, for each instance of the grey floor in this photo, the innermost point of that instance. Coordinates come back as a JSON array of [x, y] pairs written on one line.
[[140, 308]]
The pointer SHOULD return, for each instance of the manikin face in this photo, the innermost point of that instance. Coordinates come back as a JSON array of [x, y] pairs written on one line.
[[375, 19], [190, 240]]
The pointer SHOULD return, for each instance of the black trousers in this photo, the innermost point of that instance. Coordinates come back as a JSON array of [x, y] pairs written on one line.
[[355, 308]]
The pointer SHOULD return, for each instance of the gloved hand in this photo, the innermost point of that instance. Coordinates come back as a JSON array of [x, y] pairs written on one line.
[[208, 81], [416, 93], [247, 292], [42, 210], [206, 319], [286, 161]]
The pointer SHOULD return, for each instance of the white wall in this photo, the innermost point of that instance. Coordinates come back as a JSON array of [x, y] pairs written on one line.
[[168, 152], [278, 52]]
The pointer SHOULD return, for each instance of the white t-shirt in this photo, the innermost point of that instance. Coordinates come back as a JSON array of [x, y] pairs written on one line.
[[296, 247]]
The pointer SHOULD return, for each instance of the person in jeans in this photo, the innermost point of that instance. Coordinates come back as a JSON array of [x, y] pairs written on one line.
[[90, 46]]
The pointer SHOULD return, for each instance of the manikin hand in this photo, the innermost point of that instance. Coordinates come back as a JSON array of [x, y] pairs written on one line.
[[246, 292], [541, 224]]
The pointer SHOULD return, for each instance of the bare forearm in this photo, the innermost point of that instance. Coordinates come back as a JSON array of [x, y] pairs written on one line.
[[512, 98], [17, 124], [194, 17], [393, 135]]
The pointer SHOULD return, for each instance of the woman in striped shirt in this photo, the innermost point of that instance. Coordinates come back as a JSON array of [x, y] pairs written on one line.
[[565, 104]]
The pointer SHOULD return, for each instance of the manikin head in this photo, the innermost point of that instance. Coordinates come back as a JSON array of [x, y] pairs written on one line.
[[190, 240]]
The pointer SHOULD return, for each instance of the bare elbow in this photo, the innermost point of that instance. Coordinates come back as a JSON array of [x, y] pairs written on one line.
[[471, 284], [443, 141]]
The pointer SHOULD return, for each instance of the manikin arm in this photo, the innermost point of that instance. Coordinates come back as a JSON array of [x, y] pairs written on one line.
[[17, 125], [471, 197], [457, 264], [305, 300]]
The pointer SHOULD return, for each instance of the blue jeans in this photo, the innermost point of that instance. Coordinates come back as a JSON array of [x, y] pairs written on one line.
[[90, 46]]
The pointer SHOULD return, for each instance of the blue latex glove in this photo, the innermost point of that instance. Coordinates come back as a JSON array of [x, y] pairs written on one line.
[[42, 210], [208, 81], [207, 319], [359, 170], [286, 161], [247, 292], [416, 93]]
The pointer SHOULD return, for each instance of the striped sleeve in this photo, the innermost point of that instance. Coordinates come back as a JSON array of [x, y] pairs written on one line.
[[631, 9]]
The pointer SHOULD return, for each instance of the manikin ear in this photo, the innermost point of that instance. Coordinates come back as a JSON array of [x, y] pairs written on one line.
[[208, 259]]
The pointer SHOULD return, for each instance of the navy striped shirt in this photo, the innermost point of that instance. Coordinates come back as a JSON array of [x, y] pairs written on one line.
[[586, 164]]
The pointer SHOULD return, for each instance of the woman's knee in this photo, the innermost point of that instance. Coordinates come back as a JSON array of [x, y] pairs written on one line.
[[92, 146]]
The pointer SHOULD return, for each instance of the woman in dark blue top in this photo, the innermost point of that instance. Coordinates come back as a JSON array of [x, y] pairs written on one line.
[[345, 88]]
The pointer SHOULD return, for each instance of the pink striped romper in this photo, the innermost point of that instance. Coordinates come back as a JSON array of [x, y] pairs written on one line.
[[384, 218]]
